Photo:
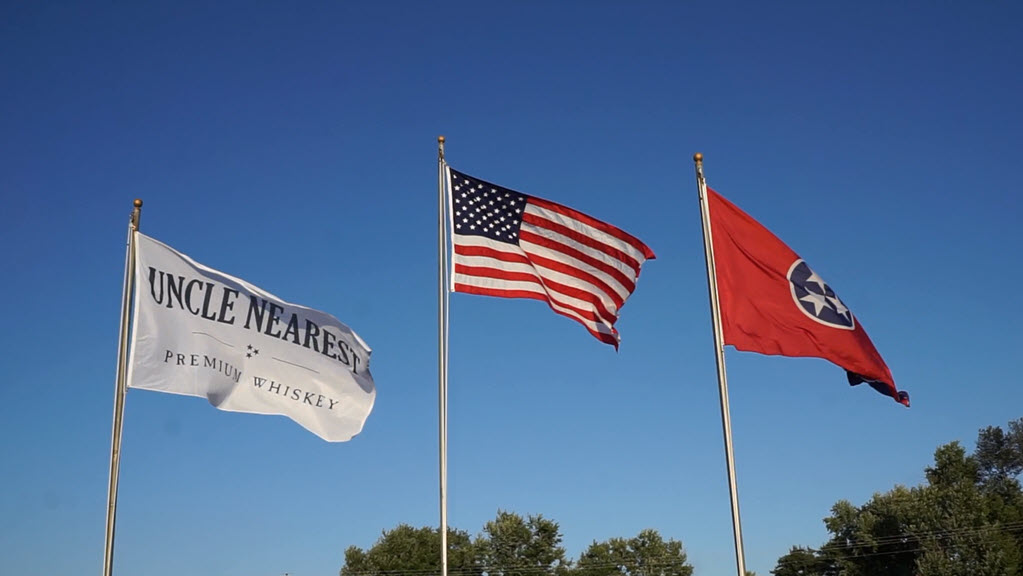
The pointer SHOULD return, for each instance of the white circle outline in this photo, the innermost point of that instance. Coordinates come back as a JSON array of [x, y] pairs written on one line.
[[792, 290]]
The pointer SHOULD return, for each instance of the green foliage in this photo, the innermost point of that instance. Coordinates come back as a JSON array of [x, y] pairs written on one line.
[[999, 454], [647, 554], [801, 562], [516, 546], [967, 520], [511, 545], [406, 550]]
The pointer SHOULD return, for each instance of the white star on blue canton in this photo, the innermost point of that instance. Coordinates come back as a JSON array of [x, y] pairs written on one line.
[[816, 300], [813, 277], [839, 307]]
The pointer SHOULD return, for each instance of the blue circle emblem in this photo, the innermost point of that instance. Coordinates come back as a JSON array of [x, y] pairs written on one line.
[[816, 299]]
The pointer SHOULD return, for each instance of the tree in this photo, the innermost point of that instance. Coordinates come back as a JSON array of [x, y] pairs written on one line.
[[513, 546], [965, 521], [647, 554], [999, 455], [871, 539], [800, 562], [961, 535], [510, 545], [412, 550]]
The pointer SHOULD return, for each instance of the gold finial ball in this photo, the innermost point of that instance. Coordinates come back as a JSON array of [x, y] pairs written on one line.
[[440, 139], [697, 157], [137, 203]]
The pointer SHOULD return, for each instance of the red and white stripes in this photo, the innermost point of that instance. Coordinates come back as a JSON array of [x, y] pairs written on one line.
[[583, 268]]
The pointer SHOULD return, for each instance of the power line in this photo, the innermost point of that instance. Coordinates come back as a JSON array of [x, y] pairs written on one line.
[[920, 543]]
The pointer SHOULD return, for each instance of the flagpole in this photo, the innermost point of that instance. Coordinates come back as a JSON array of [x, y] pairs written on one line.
[[121, 387], [719, 355], [442, 353]]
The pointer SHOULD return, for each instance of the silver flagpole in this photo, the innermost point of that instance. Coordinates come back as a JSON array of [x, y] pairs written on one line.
[[442, 351], [719, 355], [120, 388]]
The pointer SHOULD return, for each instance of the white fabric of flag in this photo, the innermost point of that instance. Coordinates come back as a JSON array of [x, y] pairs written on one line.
[[199, 332]]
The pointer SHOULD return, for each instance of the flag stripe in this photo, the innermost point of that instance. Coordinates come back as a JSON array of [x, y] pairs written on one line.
[[509, 267], [598, 330], [643, 249], [498, 281], [585, 302], [518, 258], [556, 240], [526, 285], [580, 275], [536, 244], [582, 238]]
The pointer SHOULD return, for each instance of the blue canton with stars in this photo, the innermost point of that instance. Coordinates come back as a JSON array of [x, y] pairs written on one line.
[[484, 209], [816, 299]]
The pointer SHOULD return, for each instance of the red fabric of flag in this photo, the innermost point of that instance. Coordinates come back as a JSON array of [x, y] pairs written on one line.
[[772, 302], [512, 245]]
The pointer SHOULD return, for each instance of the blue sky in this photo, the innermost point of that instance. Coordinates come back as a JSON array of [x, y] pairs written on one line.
[[295, 147]]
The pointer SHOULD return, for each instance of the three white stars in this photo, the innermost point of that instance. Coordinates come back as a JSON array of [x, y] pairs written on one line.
[[821, 301]]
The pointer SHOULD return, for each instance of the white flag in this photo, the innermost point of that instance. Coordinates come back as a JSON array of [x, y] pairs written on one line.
[[200, 332]]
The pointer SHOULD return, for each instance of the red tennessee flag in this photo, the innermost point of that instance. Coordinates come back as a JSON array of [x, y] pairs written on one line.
[[772, 302]]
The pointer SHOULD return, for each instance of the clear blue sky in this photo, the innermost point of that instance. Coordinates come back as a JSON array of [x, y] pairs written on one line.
[[295, 147]]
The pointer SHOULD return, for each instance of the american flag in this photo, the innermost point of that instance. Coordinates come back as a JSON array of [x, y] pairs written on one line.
[[513, 245]]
